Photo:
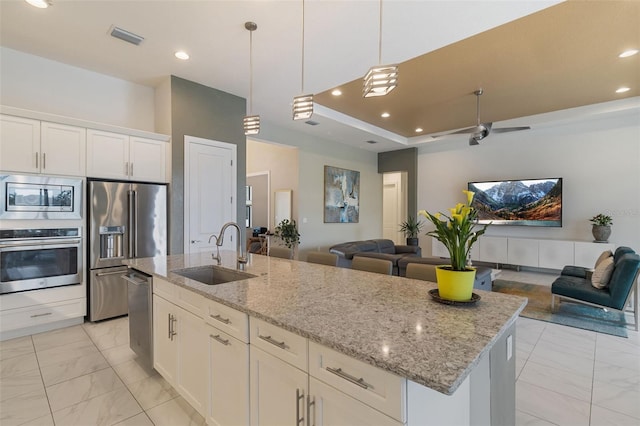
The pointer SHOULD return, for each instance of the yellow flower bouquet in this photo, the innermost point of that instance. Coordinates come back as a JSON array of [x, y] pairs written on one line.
[[457, 231]]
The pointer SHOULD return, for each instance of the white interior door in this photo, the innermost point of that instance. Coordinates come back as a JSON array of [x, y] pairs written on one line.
[[393, 207], [209, 189]]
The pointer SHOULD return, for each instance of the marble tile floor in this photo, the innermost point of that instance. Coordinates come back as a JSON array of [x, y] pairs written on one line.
[[87, 375]]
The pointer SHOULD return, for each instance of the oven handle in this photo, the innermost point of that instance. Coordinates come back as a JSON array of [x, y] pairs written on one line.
[[73, 242], [102, 274]]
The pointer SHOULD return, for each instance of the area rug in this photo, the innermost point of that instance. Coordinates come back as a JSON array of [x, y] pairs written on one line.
[[569, 314]]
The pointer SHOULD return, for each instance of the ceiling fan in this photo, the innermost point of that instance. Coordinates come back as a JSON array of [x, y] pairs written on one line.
[[482, 130]]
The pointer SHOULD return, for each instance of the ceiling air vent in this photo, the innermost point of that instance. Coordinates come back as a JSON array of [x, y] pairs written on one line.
[[371, 142], [125, 35], [311, 123]]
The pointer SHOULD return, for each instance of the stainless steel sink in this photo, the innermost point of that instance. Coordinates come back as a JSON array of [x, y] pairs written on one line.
[[212, 275]]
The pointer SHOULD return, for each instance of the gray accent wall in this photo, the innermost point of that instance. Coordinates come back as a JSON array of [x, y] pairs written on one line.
[[404, 160], [208, 113]]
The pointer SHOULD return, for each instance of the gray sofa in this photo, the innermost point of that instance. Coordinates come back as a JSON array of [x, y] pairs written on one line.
[[380, 248], [483, 274]]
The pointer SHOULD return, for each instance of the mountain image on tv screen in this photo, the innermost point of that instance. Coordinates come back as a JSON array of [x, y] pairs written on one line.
[[536, 202]]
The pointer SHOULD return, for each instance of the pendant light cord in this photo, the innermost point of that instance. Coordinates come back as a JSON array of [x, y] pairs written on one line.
[[250, 72], [302, 79], [380, 37]]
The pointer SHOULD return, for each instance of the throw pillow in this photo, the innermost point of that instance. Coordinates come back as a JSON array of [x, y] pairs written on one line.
[[602, 273], [603, 256]]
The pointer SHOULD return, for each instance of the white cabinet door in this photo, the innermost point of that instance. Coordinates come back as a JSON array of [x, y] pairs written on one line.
[[165, 347], [19, 144], [493, 249], [107, 155], [555, 254], [64, 149], [191, 335], [332, 407], [228, 380], [586, 253], [147, 159], [522, 252], [278, 391]]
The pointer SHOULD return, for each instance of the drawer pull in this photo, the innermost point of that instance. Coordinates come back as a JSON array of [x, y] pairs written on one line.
[[348, 377], [220, 339], [40, 315], [219, 318], [281, 345]]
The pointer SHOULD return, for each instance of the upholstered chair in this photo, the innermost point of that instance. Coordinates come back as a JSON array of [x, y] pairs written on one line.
[[370, 264], [421, 271], [281, 252], [322, 258]]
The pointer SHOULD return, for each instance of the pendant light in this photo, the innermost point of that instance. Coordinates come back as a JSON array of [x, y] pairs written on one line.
[[380, 79], [251, 122], [303, 104]]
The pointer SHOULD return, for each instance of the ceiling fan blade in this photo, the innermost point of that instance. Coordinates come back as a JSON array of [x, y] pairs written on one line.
[[510, 129], [462, 131]]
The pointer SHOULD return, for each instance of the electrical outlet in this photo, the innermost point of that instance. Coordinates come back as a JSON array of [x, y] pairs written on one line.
[[509, 347]]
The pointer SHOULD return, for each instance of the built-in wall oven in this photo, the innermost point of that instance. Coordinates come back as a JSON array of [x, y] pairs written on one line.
[[40, 258]]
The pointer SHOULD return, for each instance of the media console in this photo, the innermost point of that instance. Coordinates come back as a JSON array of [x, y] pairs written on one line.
[[531, 252]]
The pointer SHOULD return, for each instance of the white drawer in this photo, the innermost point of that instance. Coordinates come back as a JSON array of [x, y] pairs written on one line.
[[280, 343], [164, 288], [12, 319], [192, 302], [377, 388], [227, 319]]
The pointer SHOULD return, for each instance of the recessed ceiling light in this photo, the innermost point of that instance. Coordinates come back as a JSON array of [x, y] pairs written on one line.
[[336, 92], [385, 115], [623, 89], [42, 4], [419, 129], [628, 53], [181, 54]]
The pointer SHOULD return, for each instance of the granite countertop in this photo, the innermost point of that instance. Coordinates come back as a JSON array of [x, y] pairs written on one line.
[[386, 321]]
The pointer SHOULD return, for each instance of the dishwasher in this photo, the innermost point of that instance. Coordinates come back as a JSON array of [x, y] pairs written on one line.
[[139, 290]]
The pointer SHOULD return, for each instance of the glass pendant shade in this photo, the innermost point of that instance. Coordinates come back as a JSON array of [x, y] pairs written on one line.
[[380, 80], [251, 124], [302, 107]]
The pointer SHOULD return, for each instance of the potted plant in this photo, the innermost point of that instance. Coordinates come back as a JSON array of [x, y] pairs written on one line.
[[601, 228], [455, 281], [288, 233], [411, 228]]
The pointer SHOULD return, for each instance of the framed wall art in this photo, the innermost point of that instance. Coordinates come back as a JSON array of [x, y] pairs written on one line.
[[341, 195]]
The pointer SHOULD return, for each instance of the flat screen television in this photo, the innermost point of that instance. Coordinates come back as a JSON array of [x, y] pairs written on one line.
[[529, 202]]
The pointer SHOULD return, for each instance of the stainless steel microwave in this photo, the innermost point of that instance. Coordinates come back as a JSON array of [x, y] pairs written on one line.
[[40, 197]]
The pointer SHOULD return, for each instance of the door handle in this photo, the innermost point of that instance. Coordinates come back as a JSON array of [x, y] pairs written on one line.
[[44, 160], [195, 241]]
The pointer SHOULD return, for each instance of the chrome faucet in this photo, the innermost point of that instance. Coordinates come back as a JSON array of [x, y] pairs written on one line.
[[242, 258], [217, 255]]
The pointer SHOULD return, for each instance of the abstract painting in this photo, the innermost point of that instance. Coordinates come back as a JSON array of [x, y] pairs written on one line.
[[341, 195]]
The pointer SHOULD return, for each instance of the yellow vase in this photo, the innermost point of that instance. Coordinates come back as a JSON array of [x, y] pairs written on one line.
[[455, 285]]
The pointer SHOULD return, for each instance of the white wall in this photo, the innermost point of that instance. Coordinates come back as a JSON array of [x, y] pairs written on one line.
[[282, 164], [39, 84], [313, 155], [599, 161]]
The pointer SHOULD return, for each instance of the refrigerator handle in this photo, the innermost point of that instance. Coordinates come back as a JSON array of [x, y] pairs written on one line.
[[131, 218], [135, 222]]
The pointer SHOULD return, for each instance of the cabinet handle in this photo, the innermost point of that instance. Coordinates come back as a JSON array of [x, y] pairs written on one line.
[[37, 155], [299, 396], [40, 315], [348, 377], [311, 402], [126, 168], [131, 169], [174, 320], [220, 339], [169, 327], [219, 318], [44, 160], [281, 345]]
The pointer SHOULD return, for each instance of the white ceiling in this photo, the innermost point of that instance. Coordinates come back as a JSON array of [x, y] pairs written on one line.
[[341, 43]]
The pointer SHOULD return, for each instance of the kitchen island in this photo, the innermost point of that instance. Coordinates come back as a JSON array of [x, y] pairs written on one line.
[[466, 354]]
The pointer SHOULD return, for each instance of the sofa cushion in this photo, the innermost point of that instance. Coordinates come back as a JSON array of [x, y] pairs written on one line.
[[386, 246], [348, 249], [581, 289], [602, 273]]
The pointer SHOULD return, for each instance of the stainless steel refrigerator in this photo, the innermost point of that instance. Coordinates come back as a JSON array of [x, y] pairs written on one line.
[[125, 220]]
